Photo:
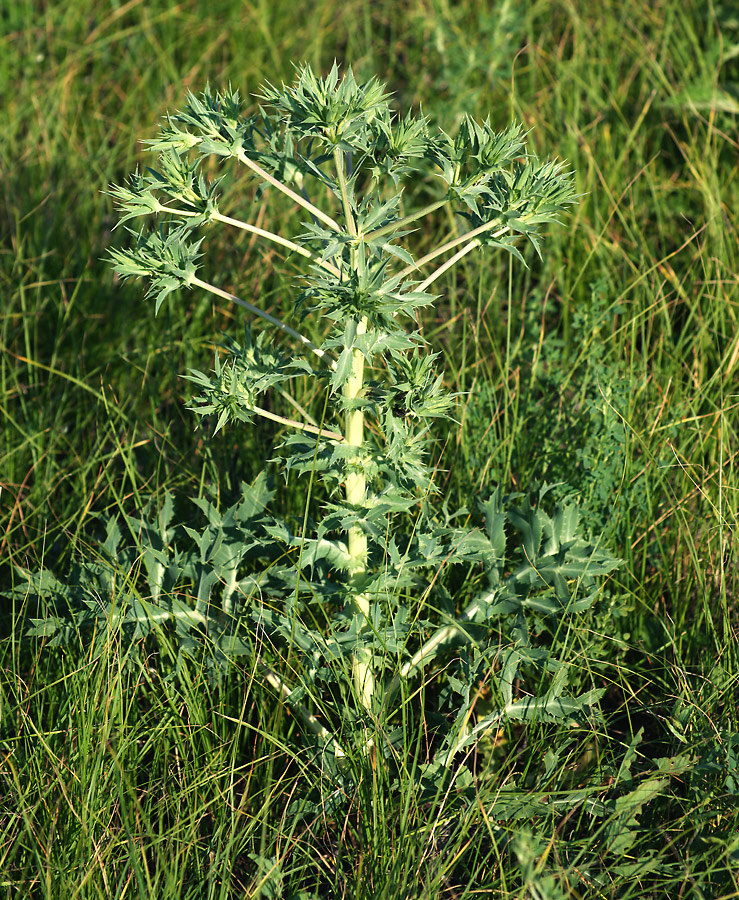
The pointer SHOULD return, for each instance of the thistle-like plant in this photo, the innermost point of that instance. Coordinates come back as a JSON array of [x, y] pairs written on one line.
[[379, 575]]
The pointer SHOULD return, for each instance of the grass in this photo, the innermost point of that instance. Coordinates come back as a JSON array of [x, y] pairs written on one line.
[[609, 369]]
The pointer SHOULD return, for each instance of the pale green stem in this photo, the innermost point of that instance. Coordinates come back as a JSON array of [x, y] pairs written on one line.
[[309, 720], [301, 426], [206, 286], [341, 175], [184, 213], [428, 651], [449, 263], [296, 198], [451, 244], [406, 220], [356, 482], [356, 486], [278, 239], [260, 232], [295, 405]]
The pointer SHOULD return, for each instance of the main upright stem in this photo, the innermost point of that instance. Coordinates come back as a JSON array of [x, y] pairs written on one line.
[[356, 482], [356, 489]]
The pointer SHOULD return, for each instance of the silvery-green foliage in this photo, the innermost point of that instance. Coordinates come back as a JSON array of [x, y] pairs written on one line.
[[378, 576]]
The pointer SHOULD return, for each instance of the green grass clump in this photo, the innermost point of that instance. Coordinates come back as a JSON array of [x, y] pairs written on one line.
[[607, 370]]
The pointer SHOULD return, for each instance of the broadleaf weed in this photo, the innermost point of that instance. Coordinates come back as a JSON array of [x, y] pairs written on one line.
[[379, 595]]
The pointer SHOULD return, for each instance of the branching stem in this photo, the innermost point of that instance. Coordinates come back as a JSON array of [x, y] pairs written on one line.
[[453, 260], [308, 719], [296, 198], [295, 405], [406, 220], [278, 239], [226, 295], [429, 650], [260, 232], [451, 244], [351, 225], [301, 426]]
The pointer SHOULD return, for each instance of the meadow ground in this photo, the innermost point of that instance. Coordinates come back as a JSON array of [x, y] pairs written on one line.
[[609, 369]]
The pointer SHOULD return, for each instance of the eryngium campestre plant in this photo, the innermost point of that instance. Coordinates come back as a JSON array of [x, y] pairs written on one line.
[[378, 587]]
